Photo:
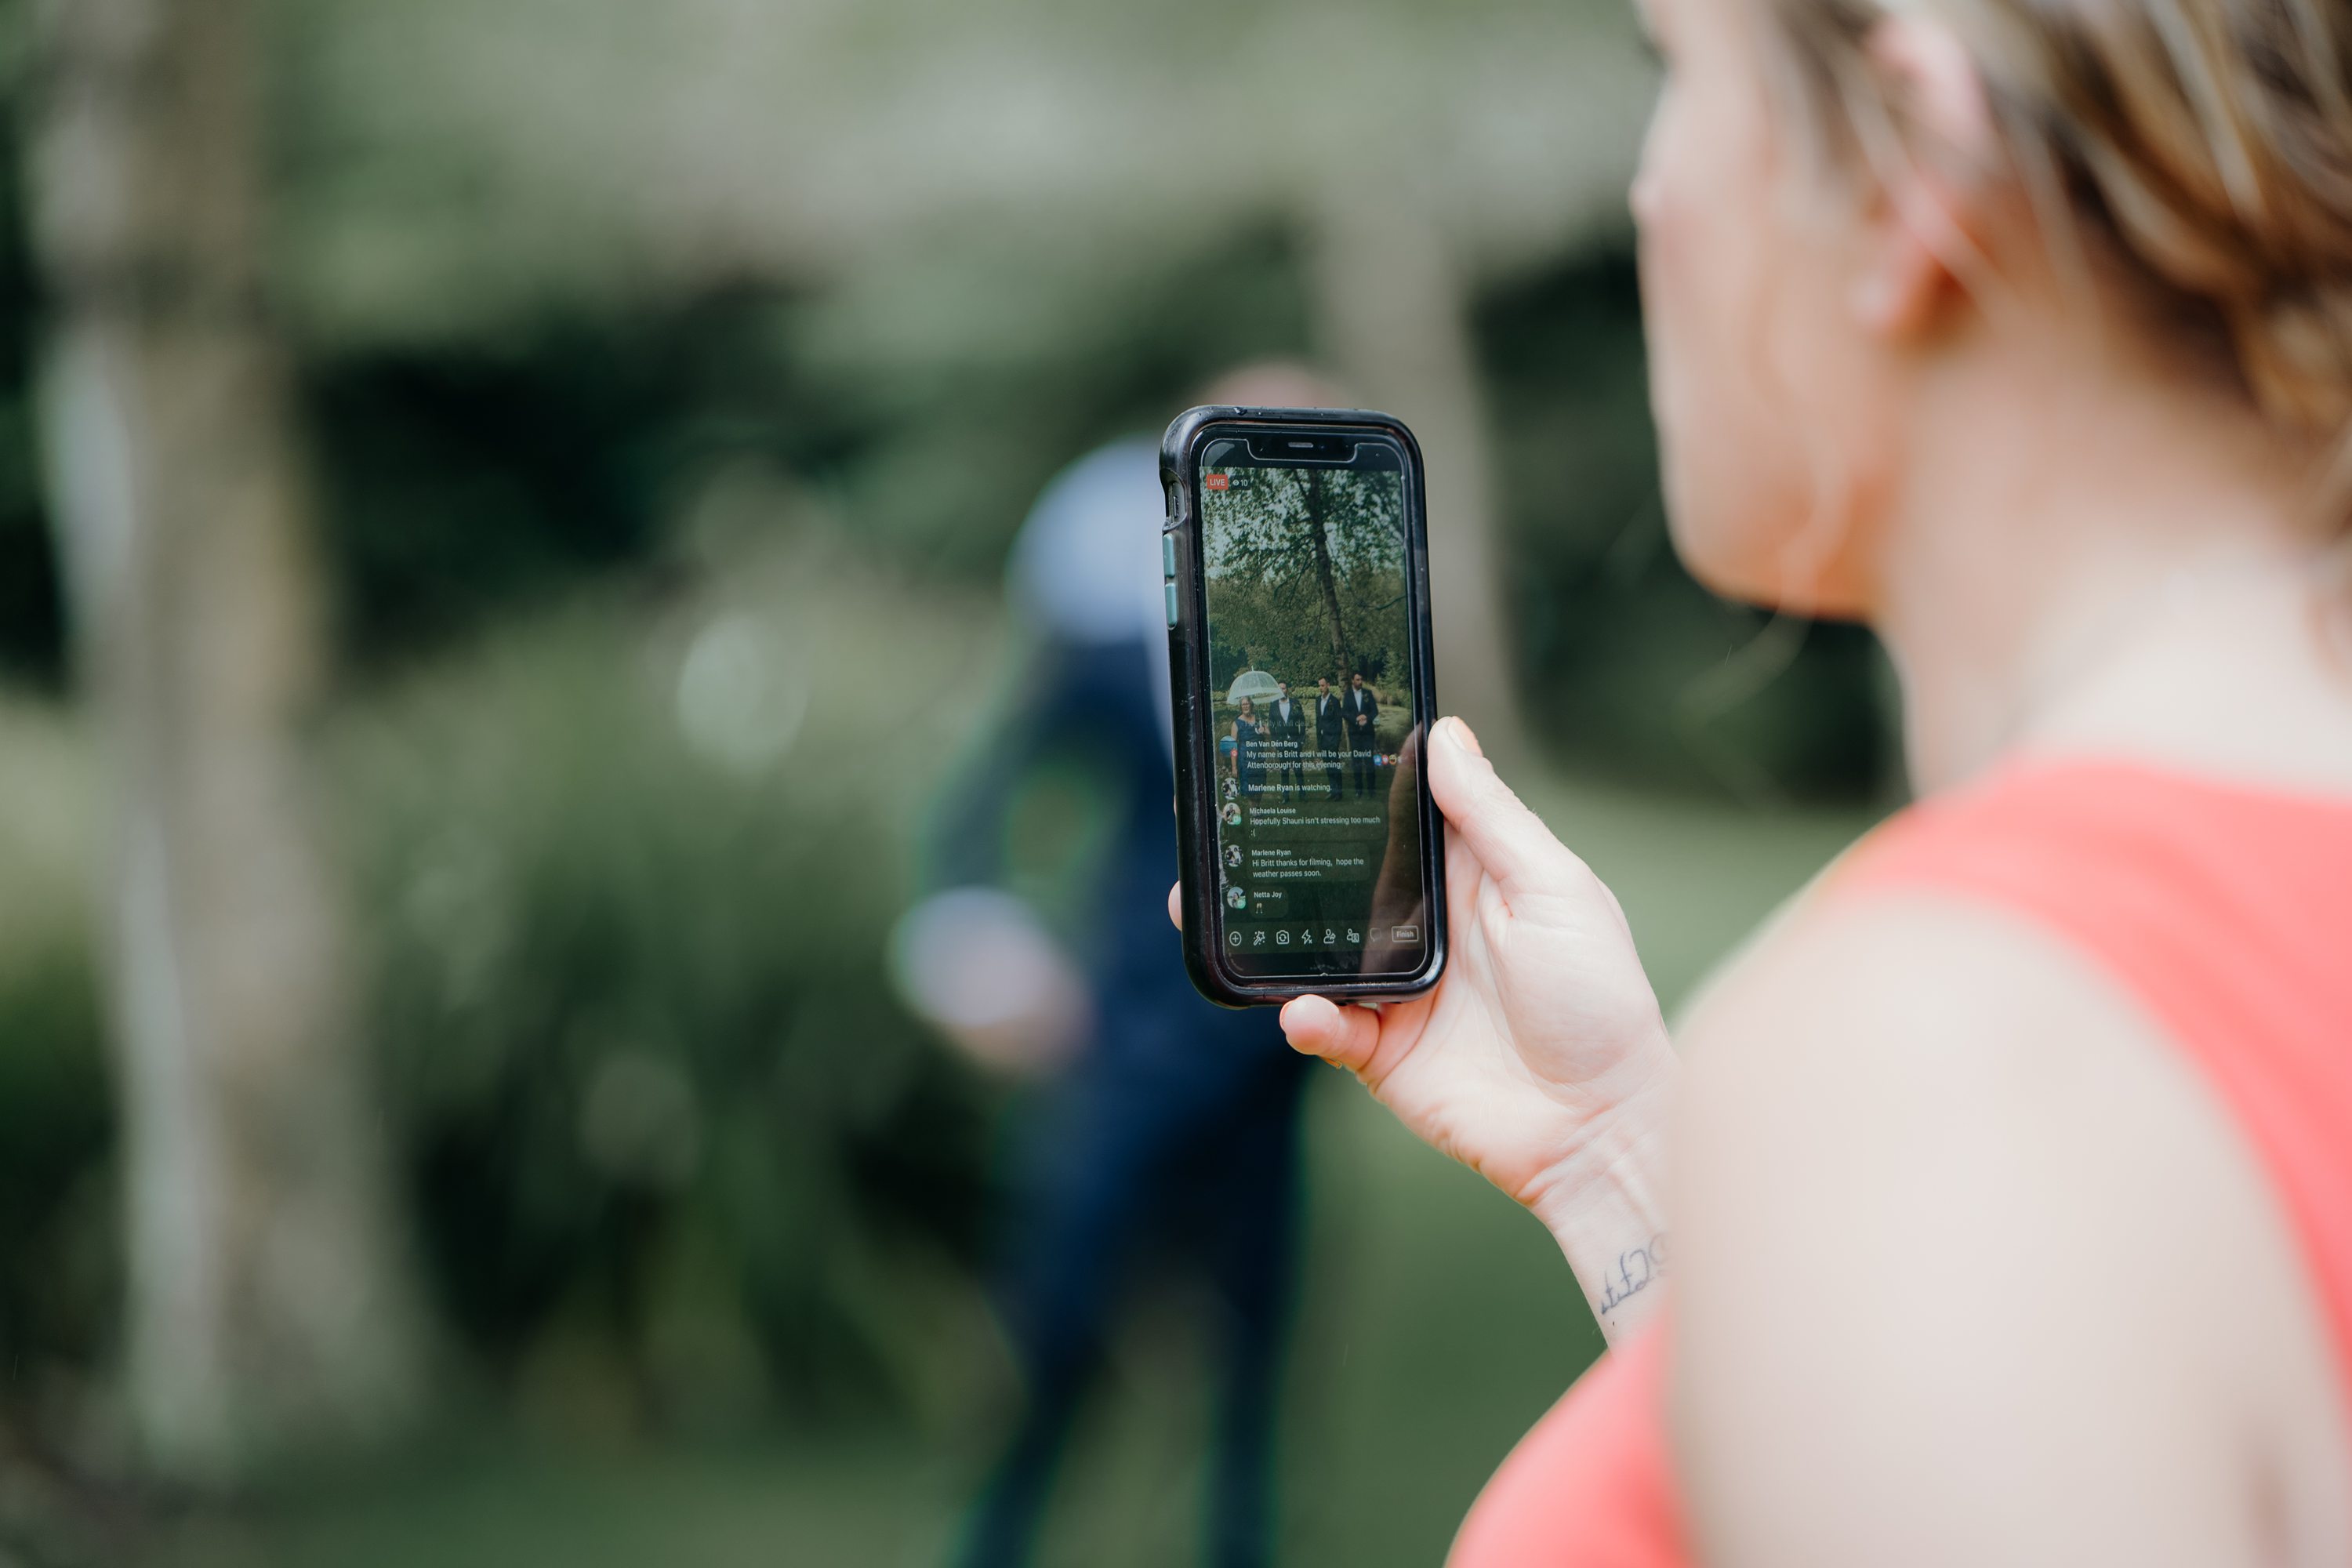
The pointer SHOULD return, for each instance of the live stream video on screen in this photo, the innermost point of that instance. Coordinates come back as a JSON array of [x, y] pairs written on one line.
[[1310, 663]]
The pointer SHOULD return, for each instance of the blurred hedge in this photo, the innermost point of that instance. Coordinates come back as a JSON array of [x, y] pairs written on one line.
[[623, 870], [677, 1155], [925, 400], [1628, 666], [922, 402]]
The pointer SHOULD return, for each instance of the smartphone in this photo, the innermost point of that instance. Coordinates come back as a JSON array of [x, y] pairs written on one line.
[[1296, 559]]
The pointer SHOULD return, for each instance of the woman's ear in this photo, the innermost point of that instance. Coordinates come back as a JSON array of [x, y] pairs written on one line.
[[1924, 249]]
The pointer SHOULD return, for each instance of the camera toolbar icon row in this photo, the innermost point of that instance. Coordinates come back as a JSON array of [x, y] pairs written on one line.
[[1307, 936], [1302, 936]]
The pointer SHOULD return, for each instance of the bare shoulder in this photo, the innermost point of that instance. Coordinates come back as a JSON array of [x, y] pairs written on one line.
[[1971, 1268]]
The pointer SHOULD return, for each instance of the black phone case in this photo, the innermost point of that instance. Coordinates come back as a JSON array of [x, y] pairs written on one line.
[[1188, 656]]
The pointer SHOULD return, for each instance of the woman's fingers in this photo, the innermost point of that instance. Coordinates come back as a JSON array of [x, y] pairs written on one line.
[[1510, 841], [1176, 905], [1345, 1036]]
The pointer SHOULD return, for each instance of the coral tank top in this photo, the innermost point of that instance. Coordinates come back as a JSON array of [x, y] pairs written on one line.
[[2226, 909]]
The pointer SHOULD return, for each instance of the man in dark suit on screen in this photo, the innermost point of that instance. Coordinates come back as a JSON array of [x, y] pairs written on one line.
[[1287, 721], [1361, 711], [1330, 731]]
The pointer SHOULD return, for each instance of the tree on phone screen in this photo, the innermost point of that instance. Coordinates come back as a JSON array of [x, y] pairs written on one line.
[[1307, 568]]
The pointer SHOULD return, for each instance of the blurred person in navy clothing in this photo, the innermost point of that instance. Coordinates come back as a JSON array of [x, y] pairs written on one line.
[[1161, 1122]]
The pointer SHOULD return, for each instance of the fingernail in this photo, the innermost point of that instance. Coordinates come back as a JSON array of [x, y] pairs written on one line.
[[1458, 732]]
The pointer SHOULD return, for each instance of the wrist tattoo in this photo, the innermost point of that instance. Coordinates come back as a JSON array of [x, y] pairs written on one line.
[[1637, 1269]]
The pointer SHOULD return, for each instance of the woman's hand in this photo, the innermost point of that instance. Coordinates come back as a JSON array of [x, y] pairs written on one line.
[[1540, 1060]]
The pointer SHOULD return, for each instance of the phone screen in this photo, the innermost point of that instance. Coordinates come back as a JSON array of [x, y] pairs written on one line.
[[1313, 707]]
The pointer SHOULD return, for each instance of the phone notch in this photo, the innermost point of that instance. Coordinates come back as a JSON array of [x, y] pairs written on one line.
[[1293, 448]]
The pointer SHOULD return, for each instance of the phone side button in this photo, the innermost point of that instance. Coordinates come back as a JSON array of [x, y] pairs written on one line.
[[1167, 555], [1171, 604]]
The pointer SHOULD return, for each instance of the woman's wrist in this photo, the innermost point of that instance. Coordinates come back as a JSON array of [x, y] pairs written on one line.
[[1603, 1203]]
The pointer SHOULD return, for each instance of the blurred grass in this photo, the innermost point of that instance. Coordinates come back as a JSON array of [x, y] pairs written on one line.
[[1437, 1322]]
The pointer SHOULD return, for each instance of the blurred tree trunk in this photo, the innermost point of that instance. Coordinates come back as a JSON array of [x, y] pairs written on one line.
[[1395, 321], [268, 1309]]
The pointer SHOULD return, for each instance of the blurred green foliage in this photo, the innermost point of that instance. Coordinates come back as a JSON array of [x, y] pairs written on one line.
[[922, 406], [57, 1263], [1628, 666], [678, 1158], [676, 393], [626, 868], [667, 1138], [650, 612], [465, 480]]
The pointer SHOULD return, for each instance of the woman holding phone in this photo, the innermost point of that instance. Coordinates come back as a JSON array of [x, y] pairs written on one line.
[[1997, 1203]]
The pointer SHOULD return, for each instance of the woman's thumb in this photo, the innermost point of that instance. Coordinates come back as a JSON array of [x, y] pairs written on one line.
[[1510, 841]]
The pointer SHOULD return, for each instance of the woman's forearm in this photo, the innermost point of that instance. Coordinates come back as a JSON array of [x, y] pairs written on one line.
[[1603, 1205]]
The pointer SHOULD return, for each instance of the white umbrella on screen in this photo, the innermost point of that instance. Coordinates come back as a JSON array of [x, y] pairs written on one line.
[[1254, 684]]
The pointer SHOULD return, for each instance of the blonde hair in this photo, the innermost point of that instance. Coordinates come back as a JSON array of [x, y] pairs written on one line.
[[2200, 148]]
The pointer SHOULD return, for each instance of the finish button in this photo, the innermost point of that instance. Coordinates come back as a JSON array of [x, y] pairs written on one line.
[[1404, 933]]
